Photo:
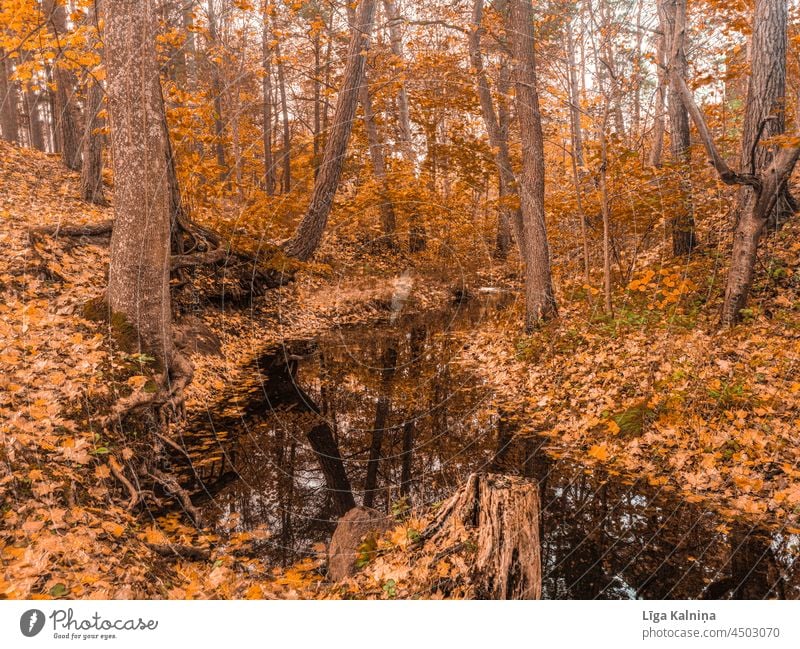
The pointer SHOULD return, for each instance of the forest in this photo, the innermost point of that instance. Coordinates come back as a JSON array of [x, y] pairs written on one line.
[[399, 299]]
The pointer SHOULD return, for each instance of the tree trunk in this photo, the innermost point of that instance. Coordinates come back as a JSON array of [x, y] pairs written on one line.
[[498, 140], [92, 162], [322, 442], [309, 232], [382, 408], [138, 282], [286, 158], [407, 457], [499, 515], [217, 88], [388, 220], [266, 87], [64, 109], [35, 132], [661, 100], [765, 112], [396, 42], [9, 100], [574, 99], [606, 210], [672, 19], [540, 304], [92, 144]]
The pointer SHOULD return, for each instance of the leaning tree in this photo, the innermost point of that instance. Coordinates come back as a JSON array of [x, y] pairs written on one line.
[[765, 177]]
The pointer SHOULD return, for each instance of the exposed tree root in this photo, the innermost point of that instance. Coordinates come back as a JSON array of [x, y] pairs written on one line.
[[202, 261], [116, 471], [173, 551], [172, 487]]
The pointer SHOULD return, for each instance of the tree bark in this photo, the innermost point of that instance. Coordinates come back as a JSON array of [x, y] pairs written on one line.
[[266, 87], [498, 140], [769, 186], [35, 131], [672, 17], [386, 207], [286, 159], [540, 304], [309, 232], [216, 88], [92, 159], [661, 100], [64, 109], [92, 144], [403, 119], [9, 101], [765, 112], [499, 515], [138, 282]]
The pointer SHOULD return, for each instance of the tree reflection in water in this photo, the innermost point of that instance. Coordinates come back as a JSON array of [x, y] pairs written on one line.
[[383, 416]]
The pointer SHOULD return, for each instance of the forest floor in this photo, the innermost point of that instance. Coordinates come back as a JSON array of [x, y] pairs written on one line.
[[654, 391]]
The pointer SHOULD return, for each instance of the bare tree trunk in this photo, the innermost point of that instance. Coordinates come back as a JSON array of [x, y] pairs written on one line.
[[216, 88], [606, 210], [92, 144], [396, 42], [35, 132], [64, 109], [661, 100], [574, 99], [9, 100], [672, 18], [498, 139], [327, 451], [388, 220], [190, 49], [286, 146], [540, 301], [92, 162], [407, 457], [309, 232], [266, 87], [138, 282], [769, 186], [317, 135], [765, 113]]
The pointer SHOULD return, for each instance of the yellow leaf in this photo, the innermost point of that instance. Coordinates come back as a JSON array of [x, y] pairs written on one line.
[[113, 528], [613, 426], [599, 452]]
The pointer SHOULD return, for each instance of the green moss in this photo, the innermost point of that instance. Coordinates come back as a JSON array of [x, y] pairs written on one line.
[[632, 421], [124, 333], [96, 309]]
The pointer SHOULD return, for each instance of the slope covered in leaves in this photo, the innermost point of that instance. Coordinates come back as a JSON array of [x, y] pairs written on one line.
[[65, 530], [655, 391]]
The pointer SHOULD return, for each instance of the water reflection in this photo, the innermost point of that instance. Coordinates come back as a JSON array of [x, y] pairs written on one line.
[[383, 416]]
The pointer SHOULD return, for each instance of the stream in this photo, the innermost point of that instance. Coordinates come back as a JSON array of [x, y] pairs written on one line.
[[384, 415]]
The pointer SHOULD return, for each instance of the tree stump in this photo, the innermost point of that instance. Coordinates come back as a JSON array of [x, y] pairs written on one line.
[[354, 527], [496, 517]]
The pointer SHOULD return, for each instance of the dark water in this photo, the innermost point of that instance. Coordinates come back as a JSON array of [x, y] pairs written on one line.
[[384, 416]]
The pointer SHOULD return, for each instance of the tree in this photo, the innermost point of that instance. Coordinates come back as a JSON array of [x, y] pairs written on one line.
[[92, 145], [682, 222], [66, 121], [498, 139], [308, 235], [266, 53], [540, 303], [768, 185], [9, 100], [138, 281]]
